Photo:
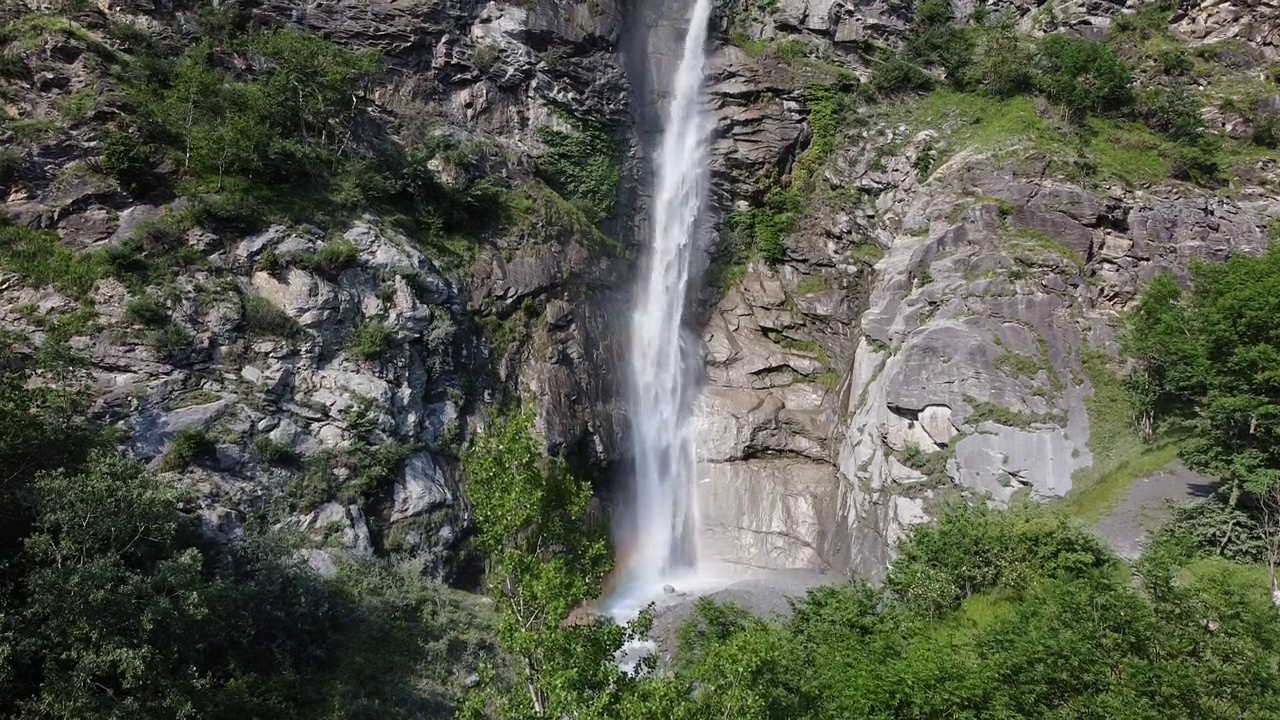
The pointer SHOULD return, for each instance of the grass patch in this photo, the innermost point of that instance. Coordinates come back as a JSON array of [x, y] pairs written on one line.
[[39, 257], [1119, 455], [1094, 494], [1128, 152], [330, 260], [982, 122], [1032, 240], [984, 411], [273, 453]]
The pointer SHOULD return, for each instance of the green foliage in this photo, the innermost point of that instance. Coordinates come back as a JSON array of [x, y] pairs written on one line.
[[170, 340], [545, 559], [353, 475], [145, 310], [1265, 133], [935, 40], [10, 164], [370, 339], [1212, 528], [766, 227], [894, 75], [988, 615], [972, 551], [39, 257], [267, 125], [932, 465], [1083, 76], [829, 107], [263, 319], [272, 452], [330, 260], [188, 447], [582, 165], [1173, 111], [984, 411], [1207, 359], [1120, 456], [1002, 63], [121, 610]]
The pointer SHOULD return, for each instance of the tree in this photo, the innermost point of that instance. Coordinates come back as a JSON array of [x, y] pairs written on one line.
[[1211, 360], [1083, 76], [545, 560]]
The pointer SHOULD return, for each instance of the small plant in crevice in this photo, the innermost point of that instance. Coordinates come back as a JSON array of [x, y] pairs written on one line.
[[146, 311], [582, 164], [274, 453], [189, 447], [263, 319], [170, 340], [370, 339]]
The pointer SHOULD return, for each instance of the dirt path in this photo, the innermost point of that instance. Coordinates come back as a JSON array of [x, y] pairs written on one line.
[[1145, 505]]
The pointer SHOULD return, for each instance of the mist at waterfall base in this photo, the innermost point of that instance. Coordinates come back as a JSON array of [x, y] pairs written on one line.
[[661, 536]]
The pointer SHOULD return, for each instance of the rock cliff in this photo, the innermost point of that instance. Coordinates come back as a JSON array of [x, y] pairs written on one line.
[[940, 272], [931, 334]]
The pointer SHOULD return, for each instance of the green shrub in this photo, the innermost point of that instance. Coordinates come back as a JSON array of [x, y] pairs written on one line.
[[935, 40], [170, 340], [1196, 162], [146, 311], [1266, 132], [896, 75], [273, 453], [485, 58], [1175, 112], [10, 165], [370, 339], [262, 319], [331, 259], [163, 235], [1083, 76], [1003, 63], [582, 165], [189, 447]]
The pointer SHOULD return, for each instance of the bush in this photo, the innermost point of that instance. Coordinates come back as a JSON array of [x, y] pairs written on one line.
[[582, 165], [485, 58], [262, 319], [934, 39], [10, 165], [896, 75], [370, 339], [1196, 162], [273, 453], [331, 259], [1084, 77], [171, 341], [146, 311], [1003, 63], [1175, 112], [1266, 132], [189, 446]]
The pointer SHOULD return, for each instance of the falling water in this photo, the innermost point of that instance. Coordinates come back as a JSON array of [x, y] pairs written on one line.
[[662, 372]]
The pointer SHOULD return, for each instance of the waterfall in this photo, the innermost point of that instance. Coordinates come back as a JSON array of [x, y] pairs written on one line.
[[663, 373]]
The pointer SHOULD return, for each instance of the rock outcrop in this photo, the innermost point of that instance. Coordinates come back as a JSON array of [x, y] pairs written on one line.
[[925, 341]]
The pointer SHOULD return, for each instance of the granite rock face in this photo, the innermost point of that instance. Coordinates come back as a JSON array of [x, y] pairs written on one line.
[[272, 373], [924, 341]]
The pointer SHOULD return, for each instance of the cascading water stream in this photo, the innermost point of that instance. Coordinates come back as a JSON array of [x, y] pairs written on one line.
[[662, 373]]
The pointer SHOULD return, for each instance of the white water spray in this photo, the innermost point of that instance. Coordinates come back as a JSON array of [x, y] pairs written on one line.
[[665, 513]]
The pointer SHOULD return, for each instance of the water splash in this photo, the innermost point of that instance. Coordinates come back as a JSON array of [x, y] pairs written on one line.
[[663, 372]]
